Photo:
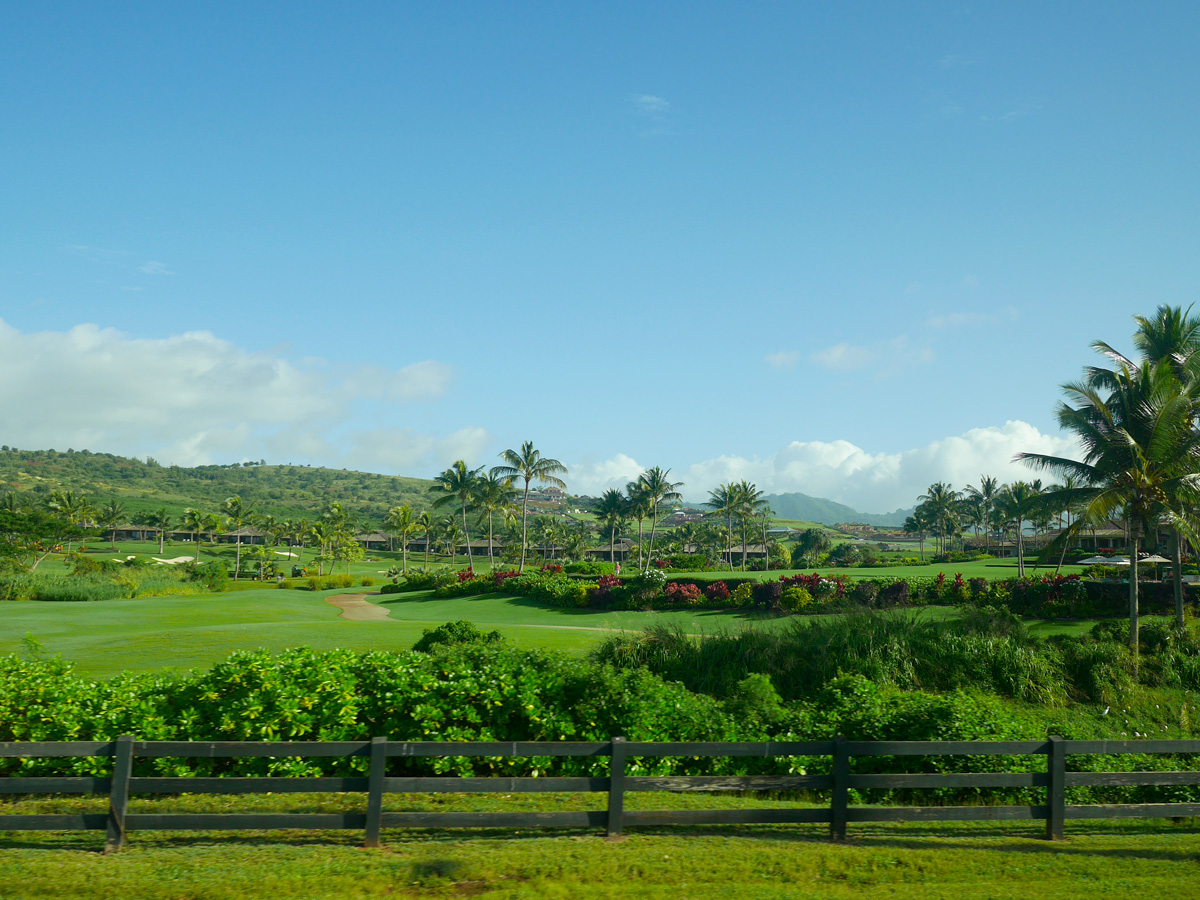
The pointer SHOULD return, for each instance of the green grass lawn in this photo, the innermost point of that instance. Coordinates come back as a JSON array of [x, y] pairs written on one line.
[[192, 632], [970, 860]]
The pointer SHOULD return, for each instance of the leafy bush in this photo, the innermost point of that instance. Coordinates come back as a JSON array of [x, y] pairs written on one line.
[[588, 567], [717, 592], [686, 594], [550, 588], [367, 581], [743, 595], [796, 599], [458, 632]]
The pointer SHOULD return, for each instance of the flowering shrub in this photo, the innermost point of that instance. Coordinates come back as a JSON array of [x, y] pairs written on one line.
[[796, 599], [608, 581], [662, 563], [682, 593], [552, 569], [743, 594], [718, 591], [466, 575], [498, 578]]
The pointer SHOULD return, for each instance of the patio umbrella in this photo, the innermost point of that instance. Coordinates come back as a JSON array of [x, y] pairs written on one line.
[[1095, 561], [1153, 559]]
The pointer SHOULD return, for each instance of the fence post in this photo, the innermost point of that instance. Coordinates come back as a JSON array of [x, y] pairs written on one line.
[[839, 803], [1056, 791], [616, 787], [118, 797], [375, 790]]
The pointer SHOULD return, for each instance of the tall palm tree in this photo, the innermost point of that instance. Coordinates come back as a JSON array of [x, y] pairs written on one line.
[[612, 511], [724, 500], [528, 465], [657, 489], [1141, 457], [237, 515], [494, 494], [425, 524], [193, 521], [457, 485], [210, 525], [639, 508], [401, 523], [918, 524], [942, 501], [161, 519], [74, 508], [1015, 504], [111, 516], [297, 534], [747, 500], [1171, 335]]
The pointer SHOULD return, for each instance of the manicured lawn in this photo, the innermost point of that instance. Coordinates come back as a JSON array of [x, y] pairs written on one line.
[[1099, 859], [192, 632]]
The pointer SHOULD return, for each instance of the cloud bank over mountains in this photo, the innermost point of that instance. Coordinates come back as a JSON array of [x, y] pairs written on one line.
[[841, 471], [193, 399]]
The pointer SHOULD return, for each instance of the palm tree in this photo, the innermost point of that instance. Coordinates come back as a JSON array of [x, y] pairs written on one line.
[[237, 514], [747, 499], [1172, 335], [1015, 504], [211, 524], [401, 522], [918, 524], [639, 508], [161, 519], [1141, 457], [425, 525], [494, 494], [942, 502], [111, 516], [983, 500], [612, 511], [297, 534], [193, 521], [74, 508], [529, 465], [451, 535], [457, 485], [723, 499], [657, 489]]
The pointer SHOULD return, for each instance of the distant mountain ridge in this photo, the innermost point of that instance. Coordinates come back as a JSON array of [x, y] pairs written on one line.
[[828, 512]]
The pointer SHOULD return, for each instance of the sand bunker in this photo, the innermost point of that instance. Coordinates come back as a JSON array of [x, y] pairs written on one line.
[[285, 553], [173, 562], [356, 609]]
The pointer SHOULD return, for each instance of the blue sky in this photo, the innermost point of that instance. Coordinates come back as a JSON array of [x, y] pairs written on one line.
[[847, 249]]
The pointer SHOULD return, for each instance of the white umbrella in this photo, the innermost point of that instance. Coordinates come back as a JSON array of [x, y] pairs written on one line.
[[1153, 559], [1094, 561]]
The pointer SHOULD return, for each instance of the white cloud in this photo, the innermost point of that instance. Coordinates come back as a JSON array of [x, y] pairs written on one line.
[[844, 357], [650, 105], [971, 319], [194, 398], [841, 471], [155, 268], [784, 359]]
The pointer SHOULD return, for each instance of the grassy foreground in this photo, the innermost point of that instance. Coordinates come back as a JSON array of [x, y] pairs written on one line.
[[1103, 859]]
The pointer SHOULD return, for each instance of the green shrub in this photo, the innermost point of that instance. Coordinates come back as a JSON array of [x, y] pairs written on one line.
[[459, 632], [367, 581], [796, 599]]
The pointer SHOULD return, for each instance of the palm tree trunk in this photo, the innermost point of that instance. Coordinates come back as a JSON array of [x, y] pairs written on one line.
[[743, 545], [1177, 575], [467, 535], [612, 544], [491, 555], [404, 554], [639, 543], [729, 540], [1133, 598], [524, 519], [653, 525]]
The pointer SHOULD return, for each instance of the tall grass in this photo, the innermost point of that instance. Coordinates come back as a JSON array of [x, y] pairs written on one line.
[[988, 650]]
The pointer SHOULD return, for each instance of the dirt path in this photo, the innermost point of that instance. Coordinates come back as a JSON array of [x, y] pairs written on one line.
[[357, 609]]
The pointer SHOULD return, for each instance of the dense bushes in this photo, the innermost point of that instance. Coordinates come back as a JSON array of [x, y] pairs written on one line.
[[988, 649], [114, 582]]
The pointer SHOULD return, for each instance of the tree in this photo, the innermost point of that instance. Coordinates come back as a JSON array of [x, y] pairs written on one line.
[[1015, 504], [1141, 457], [193, 521], [724, 499], [72, 507], [161, 519], [401, 522], [494, 494], [942, 503], [657, 489], [811, 543], [918, 524], [983, 500], [237, 515], [747, 499], [639, 508], [528, 465], [110, 517], [612, 511], [457, 485], [425, 524]]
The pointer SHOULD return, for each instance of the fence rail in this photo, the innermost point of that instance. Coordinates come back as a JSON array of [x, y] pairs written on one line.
[[118, 821]]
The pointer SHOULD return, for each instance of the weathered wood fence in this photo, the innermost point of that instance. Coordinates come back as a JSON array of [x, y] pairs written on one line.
[[117, 822]]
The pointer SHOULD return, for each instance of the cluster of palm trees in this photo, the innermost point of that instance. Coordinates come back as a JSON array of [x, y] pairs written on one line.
[[989, 508], [1135, 422], [642, 498], [743, 501]]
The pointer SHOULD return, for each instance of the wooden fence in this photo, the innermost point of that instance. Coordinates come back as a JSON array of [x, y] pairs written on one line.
[[117, 822]]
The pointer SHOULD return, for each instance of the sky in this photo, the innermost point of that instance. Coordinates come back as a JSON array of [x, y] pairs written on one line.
[[844, 249]]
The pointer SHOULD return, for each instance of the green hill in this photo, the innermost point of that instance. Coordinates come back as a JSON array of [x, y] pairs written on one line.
[[827, 512], [277, 490]]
